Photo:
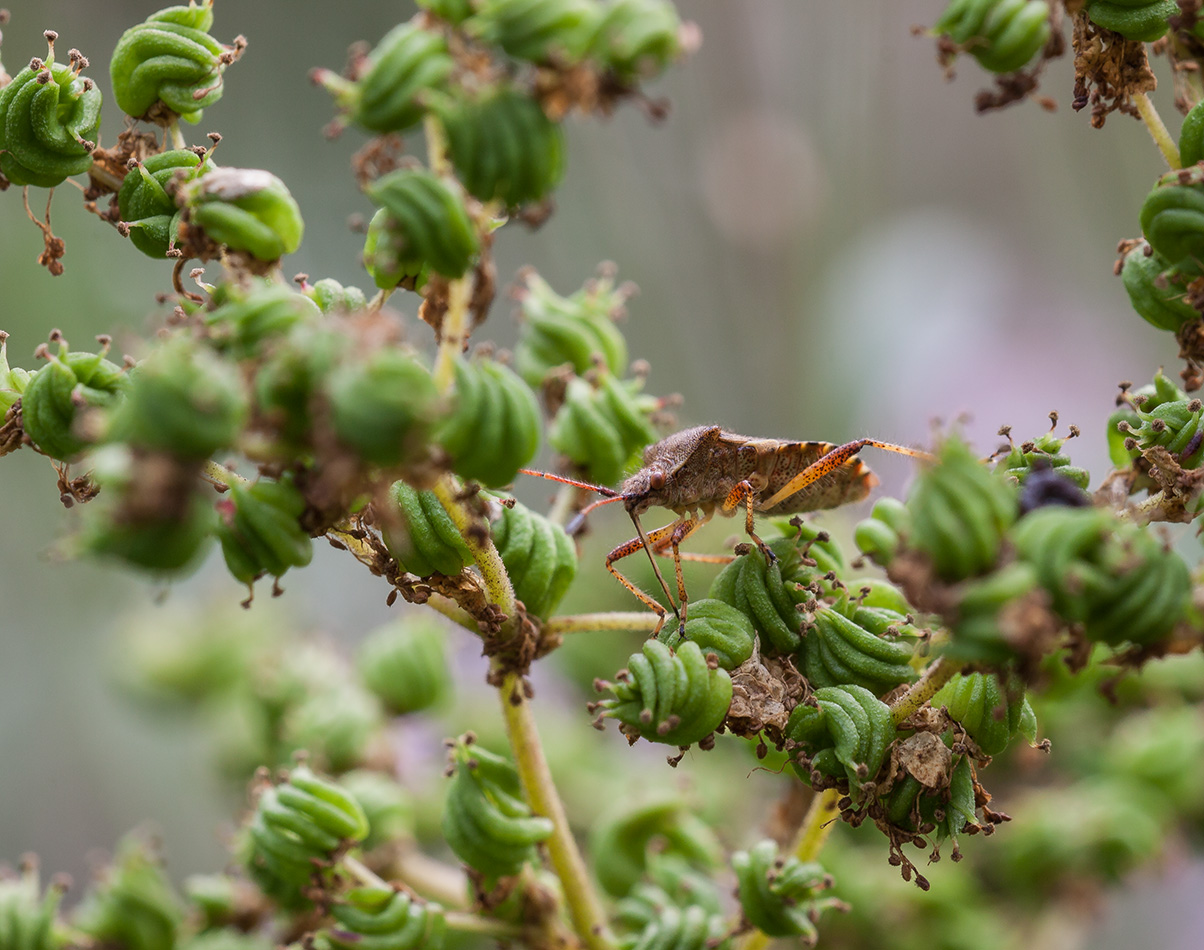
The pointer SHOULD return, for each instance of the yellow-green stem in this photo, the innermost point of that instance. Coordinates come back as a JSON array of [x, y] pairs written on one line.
[[453, 612], [634, 621], [177, 137], [584, 907], [939, 672], [484, 553], [430, 878], [1157, 129]]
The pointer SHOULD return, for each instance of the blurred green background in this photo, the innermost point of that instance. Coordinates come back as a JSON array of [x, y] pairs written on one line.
[[828, 241]]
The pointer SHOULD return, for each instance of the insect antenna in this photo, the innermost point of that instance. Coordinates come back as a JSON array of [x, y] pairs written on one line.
[[578, 520]]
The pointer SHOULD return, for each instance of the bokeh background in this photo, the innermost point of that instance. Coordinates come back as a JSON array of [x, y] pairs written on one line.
[[828, 242]]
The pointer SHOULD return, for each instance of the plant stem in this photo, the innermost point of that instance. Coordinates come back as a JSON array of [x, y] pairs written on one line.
[[1157, 129], [453, 612], [940, 672], [584, 906], [635, 621], [430, 878]]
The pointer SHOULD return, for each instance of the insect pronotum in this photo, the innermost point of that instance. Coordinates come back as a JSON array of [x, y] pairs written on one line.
[[699, 471]]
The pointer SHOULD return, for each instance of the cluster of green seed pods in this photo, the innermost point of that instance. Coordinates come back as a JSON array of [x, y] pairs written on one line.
[[486, 820], [602, 425], [845, 735], [991, 711], [853, 648], [27, 916], [259, 530], [246, 210], [781, 896], [1156, 292], [133, 903], [719, 629], [1003, 35], [1043, 452], [383, 919], [1141, 20], [945, 811], [578, 330], [150, 214], [426, 541], [1172, 220], [1158, 415], [247, 318], [539, 557], [405, 664], [422, 223]]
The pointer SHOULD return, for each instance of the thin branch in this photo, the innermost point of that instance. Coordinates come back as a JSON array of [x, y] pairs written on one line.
[[940, 672], [634, 621], [1157, 129]]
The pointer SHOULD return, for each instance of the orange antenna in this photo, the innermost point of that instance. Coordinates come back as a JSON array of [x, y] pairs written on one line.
[[600, 489]]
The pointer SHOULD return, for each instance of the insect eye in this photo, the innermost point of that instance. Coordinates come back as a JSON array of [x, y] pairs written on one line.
[[656, 479]]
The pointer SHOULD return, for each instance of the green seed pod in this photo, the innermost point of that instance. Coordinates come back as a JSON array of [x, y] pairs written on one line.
[[577, 330], [1112, 576], [289, 383], [170, 66], [1191, 137], [602, 429], [259, 531], [427, 223], [182, 399], [132, 904], [150, 213], [388, 91], [454, 12], [336, 722], [780, 895], [426, 541], [540, 31], [1140, 20], [839, 650], [771, 595], [49, 122], [717, 628], [333, 297], [382, 408], [493, 428], [225, 939], [1043, 452], [486, 819], [946, 811], [245, 209], [405, 665], [991, 714], [13, 380], [1172, 220], [623, 844], [504, 148], [683, 928], [247, 319], [296, 827], [980, 633], [27, 917], [55, 396], [388, 807], [1157, 293], [1177, 426], [381, 917], [675, 698], [539, 557], [882, 534], [671, 882], [387, 257], [637, 39], [959, 511], [1003, 35], [844, 736]]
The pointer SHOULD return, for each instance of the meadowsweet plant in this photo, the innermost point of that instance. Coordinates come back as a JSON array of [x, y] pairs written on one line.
[[903, 689]]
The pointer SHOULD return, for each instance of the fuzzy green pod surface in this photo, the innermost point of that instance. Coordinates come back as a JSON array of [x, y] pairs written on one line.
[[424, 540], [243, 209], [780, 895], [169, 65], [405, 664], [539, 31], [1141, 20], [382, 918], [245, 320], [1172, 220], [718, 628], [49, 120], [539, 557], [493, 427], [427, 223], [1003, 35], [259, 530], [147, 210], [844, 736], [637, 39], [1158, 294], [576, 330], [381, 408]]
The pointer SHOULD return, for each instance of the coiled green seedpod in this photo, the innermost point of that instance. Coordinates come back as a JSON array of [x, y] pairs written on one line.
[[718, 628], [882, 534], [683, 928], [602, 428], [259, 530], [780, 896], [297, 828], [13, 380], [132, 903], [548, 32], [405, 665], [387, 257], [844, 736], [504, 148], [426, 540], [247, 319], [1003, 35], [770, 595], [959, 511], [942, 812], [1140, 20], [337, 723], [454, 12], [1114, 577], [244, 209], [637, 39], [150, 214], [427, 224], [1177, 426], [625, 843], [382, 408], [577, 330], [981, 633], [181, 399], [49, 121], [539, 557], [170, 66], [1191, 137], [381, 918], [1043, 452], [840, 650], [333, 297], [493, 428], [54, 397], [676, 698], [27, 917], [387, 91], [1121, 450], [289, 385], [1172, 220], [486, 820], [991, 713], [1157, 293]]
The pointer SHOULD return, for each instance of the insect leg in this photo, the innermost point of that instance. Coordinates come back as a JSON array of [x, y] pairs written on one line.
[[649, 543], [744, 492], [672, 536], [827, 464]]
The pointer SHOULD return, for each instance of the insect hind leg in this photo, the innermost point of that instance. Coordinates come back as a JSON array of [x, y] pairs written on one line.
[[830, 462]]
